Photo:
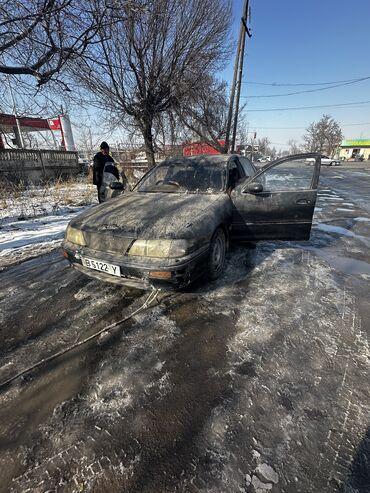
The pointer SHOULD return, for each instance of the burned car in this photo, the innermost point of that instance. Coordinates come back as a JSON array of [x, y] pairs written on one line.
[[177, 223]]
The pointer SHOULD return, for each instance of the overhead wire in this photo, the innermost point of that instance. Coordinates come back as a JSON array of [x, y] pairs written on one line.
[[293, 108], [307, 90], [302, 128], [276, 84]]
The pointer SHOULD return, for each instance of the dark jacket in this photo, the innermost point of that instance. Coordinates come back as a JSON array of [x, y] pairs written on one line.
[[99, 161], [111, 169]]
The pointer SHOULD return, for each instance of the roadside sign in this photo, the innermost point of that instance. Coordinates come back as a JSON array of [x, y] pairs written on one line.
[[55, 124]]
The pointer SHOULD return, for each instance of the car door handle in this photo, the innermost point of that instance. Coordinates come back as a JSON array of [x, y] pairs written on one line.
[[303, 202]]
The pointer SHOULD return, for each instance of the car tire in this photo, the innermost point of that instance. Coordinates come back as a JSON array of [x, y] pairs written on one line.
[[216, 256]]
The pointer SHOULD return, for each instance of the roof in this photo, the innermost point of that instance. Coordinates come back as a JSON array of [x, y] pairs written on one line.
[[7, 122], [356, 143]]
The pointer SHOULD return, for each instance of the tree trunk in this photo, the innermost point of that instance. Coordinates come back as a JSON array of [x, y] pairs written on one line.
[[148, 141]]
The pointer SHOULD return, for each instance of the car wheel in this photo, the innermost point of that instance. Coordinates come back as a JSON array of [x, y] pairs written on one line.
[[216, 257]]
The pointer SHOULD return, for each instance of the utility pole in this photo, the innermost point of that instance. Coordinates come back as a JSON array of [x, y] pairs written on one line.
[[19, 136], [237, 78], [254, 138]]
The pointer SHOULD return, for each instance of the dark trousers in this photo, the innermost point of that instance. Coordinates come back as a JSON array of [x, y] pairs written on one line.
[[99, 194]]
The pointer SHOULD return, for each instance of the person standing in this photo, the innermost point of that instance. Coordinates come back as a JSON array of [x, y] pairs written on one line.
[[100, 159], [110, 176]]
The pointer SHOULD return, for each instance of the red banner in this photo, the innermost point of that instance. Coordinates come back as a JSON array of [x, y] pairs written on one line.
[[54, 124]]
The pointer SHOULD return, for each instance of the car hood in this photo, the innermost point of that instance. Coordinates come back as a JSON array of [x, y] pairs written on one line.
[[149, 215]]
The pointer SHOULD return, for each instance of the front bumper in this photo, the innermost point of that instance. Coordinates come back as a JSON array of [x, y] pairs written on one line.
[[135, 271]]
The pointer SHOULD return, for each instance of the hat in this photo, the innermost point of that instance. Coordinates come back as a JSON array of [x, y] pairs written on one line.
[[104, 145]]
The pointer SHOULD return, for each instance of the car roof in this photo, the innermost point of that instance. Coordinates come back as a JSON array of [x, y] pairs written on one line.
[[213, 159]]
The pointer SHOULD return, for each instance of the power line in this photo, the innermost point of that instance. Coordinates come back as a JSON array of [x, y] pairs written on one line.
[[301, 83], [312, 107], [355, 124], [303, 128], [307, 90]]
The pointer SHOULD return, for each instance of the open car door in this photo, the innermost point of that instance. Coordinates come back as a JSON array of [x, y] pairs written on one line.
[[278, 201]]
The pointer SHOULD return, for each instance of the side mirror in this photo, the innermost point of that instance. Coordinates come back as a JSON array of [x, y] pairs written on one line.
[[255, 187], [116, 185]]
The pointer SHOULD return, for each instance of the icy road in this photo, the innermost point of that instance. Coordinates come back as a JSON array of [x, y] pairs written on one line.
[[256, 383]]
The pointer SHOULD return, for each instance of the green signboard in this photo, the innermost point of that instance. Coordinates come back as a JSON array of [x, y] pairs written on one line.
[[356, 143]]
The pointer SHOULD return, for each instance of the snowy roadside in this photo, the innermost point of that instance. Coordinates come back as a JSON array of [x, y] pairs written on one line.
[[33, 220]]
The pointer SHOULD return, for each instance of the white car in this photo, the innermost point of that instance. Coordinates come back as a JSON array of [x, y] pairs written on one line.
[[325, 161], [264, 159]]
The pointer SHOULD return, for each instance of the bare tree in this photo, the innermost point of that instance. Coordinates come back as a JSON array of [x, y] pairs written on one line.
[[38, 140], [168, 131], [202, 115], [243, 132], [152, 56], [294, 146], [204, 111], [39, 37], [273, 152], [263, 146], [88, 141], [323, 136]]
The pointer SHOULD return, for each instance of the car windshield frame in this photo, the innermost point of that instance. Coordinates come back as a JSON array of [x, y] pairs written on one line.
[[183, 165]]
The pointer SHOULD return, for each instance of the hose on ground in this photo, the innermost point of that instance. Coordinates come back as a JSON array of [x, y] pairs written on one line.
[[153, 296]]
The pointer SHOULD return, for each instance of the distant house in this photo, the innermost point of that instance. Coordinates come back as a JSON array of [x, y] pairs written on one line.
[[358, 149]]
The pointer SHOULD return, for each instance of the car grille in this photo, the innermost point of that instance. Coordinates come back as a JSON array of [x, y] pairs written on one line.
[[107, 242]]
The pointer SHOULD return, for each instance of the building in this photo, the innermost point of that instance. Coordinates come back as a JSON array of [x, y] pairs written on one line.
[[18, 164], [196, 148], [356, 150]]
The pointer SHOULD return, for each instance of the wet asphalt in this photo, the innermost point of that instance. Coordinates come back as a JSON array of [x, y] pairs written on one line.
[[257, 382]]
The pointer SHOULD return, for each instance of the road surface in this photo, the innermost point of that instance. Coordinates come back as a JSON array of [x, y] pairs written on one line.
[[255, 383]]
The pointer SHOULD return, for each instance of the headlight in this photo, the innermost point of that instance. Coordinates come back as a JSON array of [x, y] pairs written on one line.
[[160, 248], [75, 236]]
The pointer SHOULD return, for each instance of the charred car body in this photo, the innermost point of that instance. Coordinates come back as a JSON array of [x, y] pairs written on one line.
[[178, 221]]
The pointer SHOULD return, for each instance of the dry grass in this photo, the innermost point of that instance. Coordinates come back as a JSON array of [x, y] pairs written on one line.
[[25, 201], [72, 192], [50, 197]]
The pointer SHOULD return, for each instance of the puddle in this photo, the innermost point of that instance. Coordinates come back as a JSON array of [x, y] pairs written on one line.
[[329, 228], [332, 197], [362, 219], [347, 265], [338, 230]]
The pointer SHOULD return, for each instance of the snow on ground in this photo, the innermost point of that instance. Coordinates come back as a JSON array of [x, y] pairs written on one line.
[[335, 229], [138, 174], [119, 384], [33, 220], [38, 230]]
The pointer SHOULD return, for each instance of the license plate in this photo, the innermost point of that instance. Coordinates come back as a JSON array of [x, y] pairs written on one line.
[[101, 266]]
